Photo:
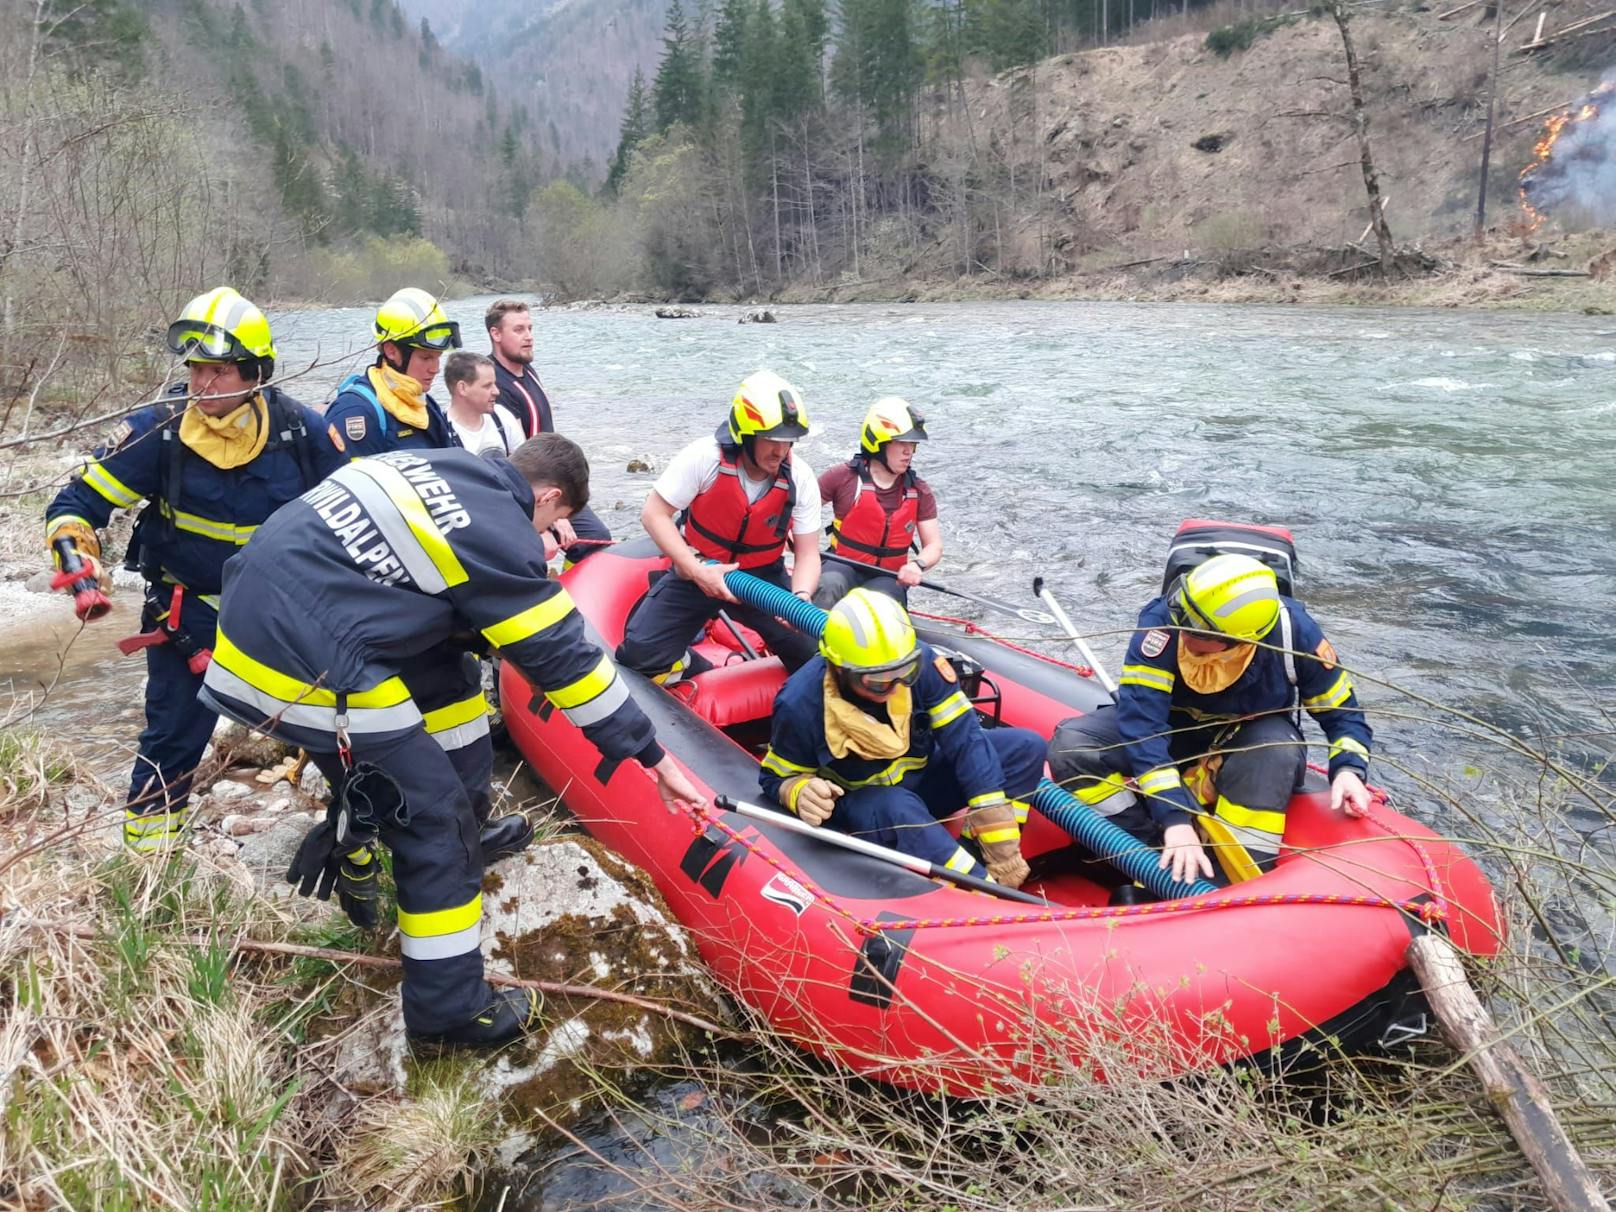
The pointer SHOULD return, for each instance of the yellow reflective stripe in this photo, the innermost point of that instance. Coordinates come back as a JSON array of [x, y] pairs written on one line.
[[1098, 792], [1022, 809], [1251, 818], [389, 693], [1149, 677], [949, 710], [772, 761], [109, 485], [52, 525], [987, 797], [1333, 697], [226, 532], [148, 831], [456, 714], [441, 921], [960, 861], [1163, 778], [532, 621], [892, 774], [574, 694], [418, 519], [1348, 745], [442, 933], [1005, 833]]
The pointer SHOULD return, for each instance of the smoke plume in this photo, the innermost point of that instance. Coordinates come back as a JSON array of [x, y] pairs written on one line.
[[1575, 170]]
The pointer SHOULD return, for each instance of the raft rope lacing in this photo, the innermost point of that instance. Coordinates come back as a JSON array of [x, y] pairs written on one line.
[[974, 628], [1429, 910]]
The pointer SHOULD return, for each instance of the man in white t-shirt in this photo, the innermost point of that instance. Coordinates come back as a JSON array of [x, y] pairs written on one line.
[[743, 496], [481, 423]]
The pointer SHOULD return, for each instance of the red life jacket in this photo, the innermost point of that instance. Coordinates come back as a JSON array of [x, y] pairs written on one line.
[[868, 533], [723, 525]]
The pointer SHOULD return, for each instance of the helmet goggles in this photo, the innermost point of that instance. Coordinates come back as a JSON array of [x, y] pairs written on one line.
[[884, 681], [441, 336], [199, 341]]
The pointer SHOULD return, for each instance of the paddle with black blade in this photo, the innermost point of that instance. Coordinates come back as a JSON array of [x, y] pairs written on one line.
[[1025, 613], [870, 850]]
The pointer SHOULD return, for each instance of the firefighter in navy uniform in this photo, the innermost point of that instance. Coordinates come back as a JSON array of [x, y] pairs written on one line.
[[326, 615], [387, 407], [882, 508], [214, 460], [1203, 723], [743, 496], [875, 738]]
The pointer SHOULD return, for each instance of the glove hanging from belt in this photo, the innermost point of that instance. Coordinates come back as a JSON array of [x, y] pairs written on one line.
[[994, 827], [340, 852]]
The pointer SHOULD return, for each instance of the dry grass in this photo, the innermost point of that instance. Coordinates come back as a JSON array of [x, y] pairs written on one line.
[[416, 1153], [145, 1063]]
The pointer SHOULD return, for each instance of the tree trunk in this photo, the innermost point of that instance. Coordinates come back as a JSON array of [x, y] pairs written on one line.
[[1492, 108], [1360, 126], [774, 175]]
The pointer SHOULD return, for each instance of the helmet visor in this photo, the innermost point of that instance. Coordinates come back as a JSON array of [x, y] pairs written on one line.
[[195, 341], [884, 681], [437, 336]]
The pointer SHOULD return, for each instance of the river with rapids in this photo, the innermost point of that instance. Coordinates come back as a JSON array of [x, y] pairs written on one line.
[[1449, 477]]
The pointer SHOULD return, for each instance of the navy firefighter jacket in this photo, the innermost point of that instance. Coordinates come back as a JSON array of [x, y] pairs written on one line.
[[1154, 706], [200, 515], [944, 726], [361, 426], [358, 581]]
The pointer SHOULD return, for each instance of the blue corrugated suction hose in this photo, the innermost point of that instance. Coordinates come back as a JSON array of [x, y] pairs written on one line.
[[804, 616], [1111, 842]]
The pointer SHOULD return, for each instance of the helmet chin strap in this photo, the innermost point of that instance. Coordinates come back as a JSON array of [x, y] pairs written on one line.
[[383, 359], [880, 456]]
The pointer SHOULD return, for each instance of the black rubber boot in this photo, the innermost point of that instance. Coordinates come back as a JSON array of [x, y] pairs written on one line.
[[505, 836], [1131, 894], [513, 1013]]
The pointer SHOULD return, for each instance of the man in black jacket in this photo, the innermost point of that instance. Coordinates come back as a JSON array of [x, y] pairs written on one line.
[[510, 338]]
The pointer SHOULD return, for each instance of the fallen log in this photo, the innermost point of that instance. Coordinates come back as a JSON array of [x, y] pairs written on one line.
[[1513, 1089], [1521, 271], [1542, 113]]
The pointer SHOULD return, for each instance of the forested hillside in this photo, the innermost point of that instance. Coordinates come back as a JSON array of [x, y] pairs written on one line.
[[569, 61], [296, 148], [792, 145]]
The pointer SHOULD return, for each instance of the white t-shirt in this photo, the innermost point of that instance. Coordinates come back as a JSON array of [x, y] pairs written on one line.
[[694, 469], [487, 436]]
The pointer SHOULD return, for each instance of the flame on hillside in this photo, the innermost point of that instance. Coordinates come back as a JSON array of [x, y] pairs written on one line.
[[1574, 160]]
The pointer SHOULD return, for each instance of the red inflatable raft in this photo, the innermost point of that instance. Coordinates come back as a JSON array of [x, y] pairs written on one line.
[[935, 987]]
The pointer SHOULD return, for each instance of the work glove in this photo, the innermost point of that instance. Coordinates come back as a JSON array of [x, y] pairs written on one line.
[[321, 866], [813, 800], [994, 827]]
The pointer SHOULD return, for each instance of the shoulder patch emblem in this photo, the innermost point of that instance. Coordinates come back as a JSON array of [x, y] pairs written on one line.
[[1326, 654], [946, 669], [354, 427], [336, 438], [1154, 643], [120, 434]]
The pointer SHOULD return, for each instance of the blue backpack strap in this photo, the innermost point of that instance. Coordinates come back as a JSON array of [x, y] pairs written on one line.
[[360, 386]]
